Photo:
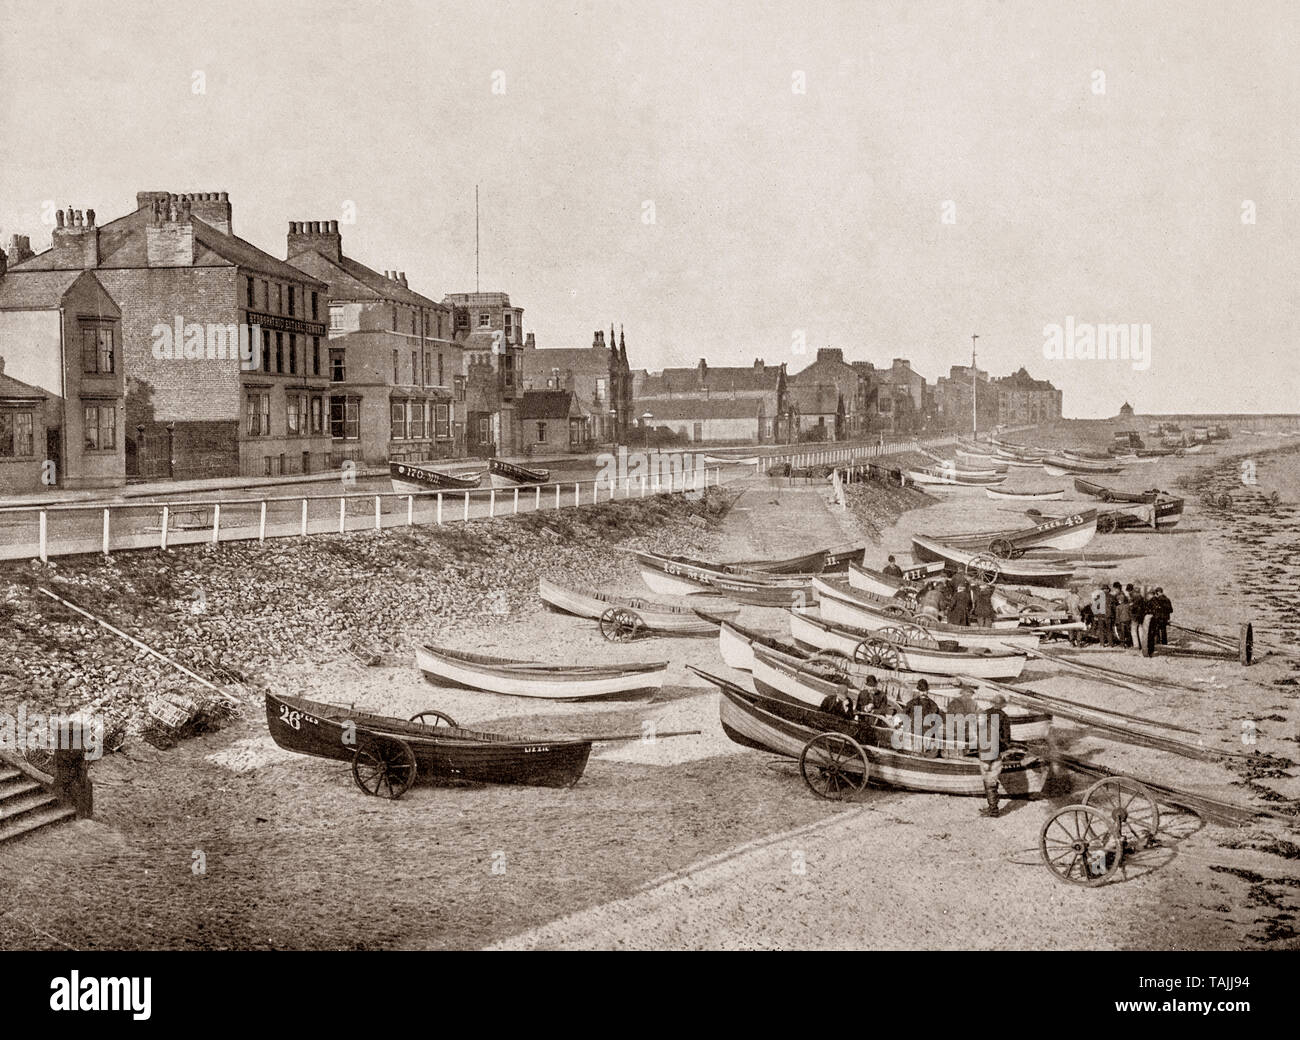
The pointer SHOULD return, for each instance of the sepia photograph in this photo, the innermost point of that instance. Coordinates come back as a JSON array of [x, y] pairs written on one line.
[[523, 475]]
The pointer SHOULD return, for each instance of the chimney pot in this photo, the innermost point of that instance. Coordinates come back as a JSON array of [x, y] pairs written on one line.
[[223, 196], [334, 227], [58, 218]]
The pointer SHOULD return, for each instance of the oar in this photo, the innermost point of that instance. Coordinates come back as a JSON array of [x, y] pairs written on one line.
[[616, 737], [143, 646]]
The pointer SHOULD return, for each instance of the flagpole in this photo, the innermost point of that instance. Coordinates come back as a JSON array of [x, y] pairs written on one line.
[[974, 417]]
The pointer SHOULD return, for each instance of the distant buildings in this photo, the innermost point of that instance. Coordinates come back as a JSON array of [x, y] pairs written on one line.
[[490, 332], [1024, 400], [759, 382], [598, 376]]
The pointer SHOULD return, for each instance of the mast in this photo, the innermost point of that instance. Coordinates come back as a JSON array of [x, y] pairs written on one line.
[[476, 238], [974, 417]]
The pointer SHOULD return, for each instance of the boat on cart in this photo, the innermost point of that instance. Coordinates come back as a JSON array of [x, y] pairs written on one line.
[[553, 682], [667, 577], [388, 754], [505, 474], [820, 562], [845, 607], [985, 566], [1062, 533], [1006, 601], [809, 681], [1167, 512], [409, 478], [938, 475], [788, 729], [611, 609], [1044, 495], [1087, 487], [906, 647]]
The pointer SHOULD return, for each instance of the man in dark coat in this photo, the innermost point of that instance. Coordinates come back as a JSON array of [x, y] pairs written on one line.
[[982, 599], [1164, 611], [838, 703], [959, 608], [1137, 611], [893, 569]]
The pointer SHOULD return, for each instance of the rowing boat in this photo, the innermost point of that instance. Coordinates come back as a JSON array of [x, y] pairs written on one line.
[[846, 607], [507, 474], [1011, 571], [666, 577], [736, 644], [994, 465], [1049, 495], [883, 647], [388, 754], [657, 617], [785, 729], [819, 562], [1060, 466], [408, 478], [1061, 533], [878, 583], [1168, 511], [791, 677], [534, 679], [1106, 494], [935, 475]]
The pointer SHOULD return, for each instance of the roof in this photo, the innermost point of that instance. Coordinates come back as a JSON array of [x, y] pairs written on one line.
[[717, 380], [12, 389], [694, 409], [122, 244], [350, 279], [545, 404], [22, 290], [818, 399], [478, 299], [1022, 380]]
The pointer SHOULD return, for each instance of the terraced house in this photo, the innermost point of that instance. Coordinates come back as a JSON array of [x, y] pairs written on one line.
[[396, 389], [204, 394]]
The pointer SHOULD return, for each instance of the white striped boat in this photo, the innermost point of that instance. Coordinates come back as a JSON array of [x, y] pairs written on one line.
[[873, 647], [658, 617], [1014, 572], [1049, 495], [935, 475], [535, 679], [782, 675], [844, 608], [782, 728]]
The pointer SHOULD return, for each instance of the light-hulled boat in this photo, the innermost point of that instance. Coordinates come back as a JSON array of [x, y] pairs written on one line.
[[505, 474], [410, 478], [1063, 533], [936, 475], [535, 679], [657, 617], [1011, 571], [1046, 495]]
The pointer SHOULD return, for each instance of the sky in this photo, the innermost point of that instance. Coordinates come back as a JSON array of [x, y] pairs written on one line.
[[728, 180]]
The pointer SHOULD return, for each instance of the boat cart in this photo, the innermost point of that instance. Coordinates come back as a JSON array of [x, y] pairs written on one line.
[[621, 624], [1085, 844], [384, 765]]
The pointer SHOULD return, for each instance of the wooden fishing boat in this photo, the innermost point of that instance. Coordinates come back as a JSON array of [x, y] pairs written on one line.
[[991, 568], [1063, 533], [388, 754], [736, 643], [408, 478], [1168, 511], [980, 459], [1015, 463], [809, 681], [993, 467], [666, 577], [1087, 487], [719, 460], [534, 679], [508, 474], [783, 728], [824, 561], [656, 617], [908, 587], [1048, 495], [1060, 466], [934, 475], [884, 647], [1082, 455]]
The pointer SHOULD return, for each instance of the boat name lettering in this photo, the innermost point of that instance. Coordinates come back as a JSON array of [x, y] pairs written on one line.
[[1064, 521], [537, 747]]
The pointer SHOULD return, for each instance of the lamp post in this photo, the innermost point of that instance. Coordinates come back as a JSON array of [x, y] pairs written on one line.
[[645, 428]]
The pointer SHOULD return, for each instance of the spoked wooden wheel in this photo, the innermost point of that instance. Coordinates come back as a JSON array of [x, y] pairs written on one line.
[[1130, 806], [1106, 523], [1002, 548], [618, 624], [1080, 846], [984, 568], [877, 653], [834, 766], [384, 767], [433, 718]]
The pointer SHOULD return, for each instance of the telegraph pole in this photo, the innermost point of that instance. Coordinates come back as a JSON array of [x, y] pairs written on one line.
[[974, 418]]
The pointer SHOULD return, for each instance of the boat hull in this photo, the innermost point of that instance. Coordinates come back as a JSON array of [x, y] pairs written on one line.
[[658, 617], [527, 679], [411, 479], [507, 475], [1014, 572], [327, 731]]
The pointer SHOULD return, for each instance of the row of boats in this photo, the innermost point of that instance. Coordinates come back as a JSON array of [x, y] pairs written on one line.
[[988, 466], [412, 478]]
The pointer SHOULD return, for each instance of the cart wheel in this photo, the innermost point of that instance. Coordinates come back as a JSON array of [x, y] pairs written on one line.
[[384, 767], [834, 766], [618, 624], [1133, 811], [1106, 523], [894, 635], [877, 653], [434, 718], [1079, 846], [1002, 548], [984, 567]]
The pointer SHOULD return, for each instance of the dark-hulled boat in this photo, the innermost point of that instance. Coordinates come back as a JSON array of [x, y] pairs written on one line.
[[1087, 487], [508, 474], [388, 754], [409, 478]]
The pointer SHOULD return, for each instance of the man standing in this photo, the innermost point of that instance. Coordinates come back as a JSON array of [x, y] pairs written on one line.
[[893, 569], [959, 608], [1137, 609], [1164, 611], [1149, 623], [982, 594], [1123, 615], [1102, 614], [961, 726], [994, 739]]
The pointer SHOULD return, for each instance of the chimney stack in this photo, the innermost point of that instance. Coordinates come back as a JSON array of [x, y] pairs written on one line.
[[211, 207], [319, 236], [401, 277], [20, 249], [76, 239]]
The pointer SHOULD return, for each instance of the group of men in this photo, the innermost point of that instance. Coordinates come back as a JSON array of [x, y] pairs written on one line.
[[952, 598], [1133, 616], [872, 708]]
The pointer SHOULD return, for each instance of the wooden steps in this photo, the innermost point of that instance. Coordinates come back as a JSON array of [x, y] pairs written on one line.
[[27, 805]]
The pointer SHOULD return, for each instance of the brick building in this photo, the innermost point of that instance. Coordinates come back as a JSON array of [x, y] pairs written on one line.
[[952, 395], [61, 334], [553, 422], [1023, 399], [396, 387], [758, 382], [202, 400], [717, 420], [598, 376], [832, 396], [22, 435], [490, 333]]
